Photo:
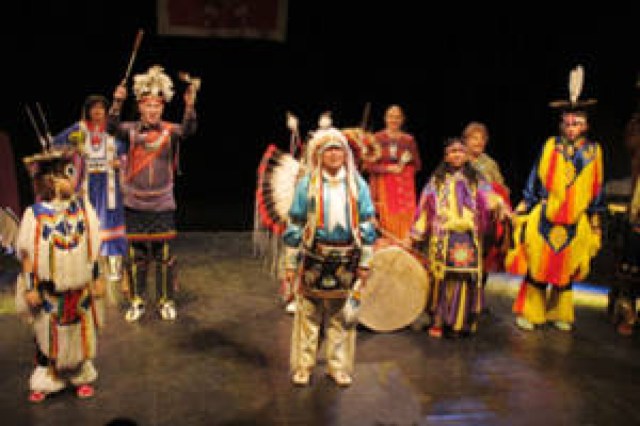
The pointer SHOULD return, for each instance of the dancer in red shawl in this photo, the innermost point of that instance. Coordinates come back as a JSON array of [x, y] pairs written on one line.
[[392, 175]]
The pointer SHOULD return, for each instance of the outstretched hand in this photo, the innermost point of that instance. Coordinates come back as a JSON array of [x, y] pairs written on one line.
[[501, 212], [395, 168], [190, 96], [521, 208], [363, 275], [33, 298], [290, 275], [120, 94], [98, 289]]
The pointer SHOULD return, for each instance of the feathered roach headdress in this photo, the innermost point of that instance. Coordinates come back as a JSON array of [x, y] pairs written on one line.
[[153, 83], [325, 122], [56, 161], [574, 103], [51, 159]]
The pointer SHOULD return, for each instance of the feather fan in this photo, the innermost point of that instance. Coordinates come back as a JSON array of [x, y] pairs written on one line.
[[277, 178]]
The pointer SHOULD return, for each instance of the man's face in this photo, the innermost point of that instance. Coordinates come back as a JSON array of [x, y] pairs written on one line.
[[63, 180], [333, 159], [573, 126], [456, 155], [476, 143], [64, 189], [151, 108]]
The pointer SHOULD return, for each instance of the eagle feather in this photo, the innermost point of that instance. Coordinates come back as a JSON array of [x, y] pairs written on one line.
[[576, 80]]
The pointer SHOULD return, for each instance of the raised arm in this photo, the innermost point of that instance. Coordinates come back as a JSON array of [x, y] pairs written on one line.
[[189, 120], [113, 119], [69, 136]]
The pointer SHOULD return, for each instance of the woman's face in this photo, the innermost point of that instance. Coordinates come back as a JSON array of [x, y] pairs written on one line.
[[97, 113], [476, 143], [456, 155], [393, 119]]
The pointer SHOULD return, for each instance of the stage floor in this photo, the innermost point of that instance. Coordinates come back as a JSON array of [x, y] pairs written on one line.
[[225, 362]]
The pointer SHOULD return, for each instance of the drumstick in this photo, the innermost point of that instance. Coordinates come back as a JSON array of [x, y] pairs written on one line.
[[402, 244], [134, 52], [365, 117]]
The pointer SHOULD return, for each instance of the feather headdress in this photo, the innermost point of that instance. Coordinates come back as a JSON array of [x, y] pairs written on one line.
[[323, 139], [576, 84], [154, 82]]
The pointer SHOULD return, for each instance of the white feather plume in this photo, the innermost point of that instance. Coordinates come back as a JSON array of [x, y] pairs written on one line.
[[576, 79], [292, 122], [325, 121]]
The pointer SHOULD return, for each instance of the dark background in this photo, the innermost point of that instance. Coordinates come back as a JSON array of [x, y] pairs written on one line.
[[445, 68]]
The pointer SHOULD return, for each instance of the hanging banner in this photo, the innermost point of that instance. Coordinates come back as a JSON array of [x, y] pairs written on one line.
[[9, 193], [257, 19]]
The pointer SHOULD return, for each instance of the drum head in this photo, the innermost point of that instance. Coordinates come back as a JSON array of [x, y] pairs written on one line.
[[396, 291]]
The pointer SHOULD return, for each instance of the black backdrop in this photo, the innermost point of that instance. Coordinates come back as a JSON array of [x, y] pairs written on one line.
[[444, 68]]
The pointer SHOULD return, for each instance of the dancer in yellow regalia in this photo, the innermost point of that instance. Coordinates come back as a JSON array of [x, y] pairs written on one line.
[[560, 233]]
